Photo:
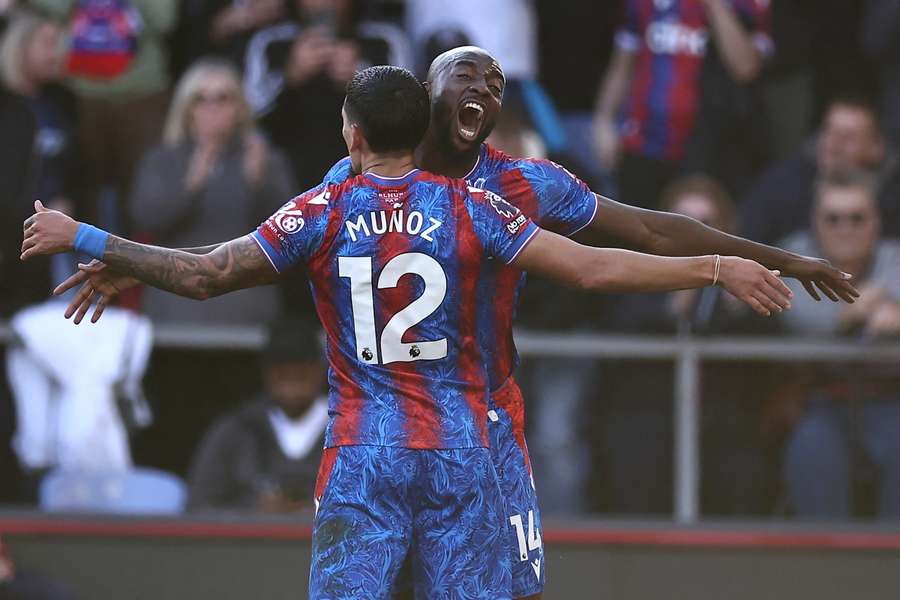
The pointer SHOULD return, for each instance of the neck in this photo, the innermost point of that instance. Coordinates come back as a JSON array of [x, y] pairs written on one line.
[[395, 164], [438, 156], [294, 413]]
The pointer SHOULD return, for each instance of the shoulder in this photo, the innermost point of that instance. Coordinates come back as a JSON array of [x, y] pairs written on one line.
[[236, 423], [340, 172]]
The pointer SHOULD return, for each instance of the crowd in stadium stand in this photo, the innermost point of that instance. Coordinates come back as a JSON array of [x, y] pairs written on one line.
[[778, 120]]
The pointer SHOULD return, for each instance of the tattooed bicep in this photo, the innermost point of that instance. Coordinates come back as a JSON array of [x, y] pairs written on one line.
[[242, 263]]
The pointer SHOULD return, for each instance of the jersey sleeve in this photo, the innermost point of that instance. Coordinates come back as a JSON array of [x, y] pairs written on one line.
[[296, 230], [340, 172], [503, 229], [628, 36], [565, 204]]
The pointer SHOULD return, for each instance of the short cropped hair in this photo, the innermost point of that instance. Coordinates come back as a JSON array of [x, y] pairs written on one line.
[[390, 106]]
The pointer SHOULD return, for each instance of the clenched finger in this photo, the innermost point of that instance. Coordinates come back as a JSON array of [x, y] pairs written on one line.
[[30, 242], [33, 251], [29, 221], [70, 282]]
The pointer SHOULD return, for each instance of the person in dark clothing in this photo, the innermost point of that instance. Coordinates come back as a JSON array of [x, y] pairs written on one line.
[[780, 201], [31, 53], [296, 72], [265, 455]]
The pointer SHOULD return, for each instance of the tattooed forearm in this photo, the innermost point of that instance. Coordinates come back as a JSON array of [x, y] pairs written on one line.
[[231, 266]]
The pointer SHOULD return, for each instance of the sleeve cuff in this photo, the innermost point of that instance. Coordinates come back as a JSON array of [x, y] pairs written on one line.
[[275, 259], [522, 241]]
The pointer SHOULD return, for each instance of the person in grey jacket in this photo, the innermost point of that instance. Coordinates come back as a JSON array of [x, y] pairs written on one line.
[[849, 429], [213, 177]]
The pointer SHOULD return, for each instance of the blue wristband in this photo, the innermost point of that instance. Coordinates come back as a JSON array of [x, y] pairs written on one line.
[[90, 240]]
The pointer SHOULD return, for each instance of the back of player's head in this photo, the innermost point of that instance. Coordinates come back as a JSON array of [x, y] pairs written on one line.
[[390, 106]]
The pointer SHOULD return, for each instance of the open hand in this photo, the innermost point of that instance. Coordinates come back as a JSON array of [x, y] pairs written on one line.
[[47, 232], [818, 273], [98, 282], [762, 289]]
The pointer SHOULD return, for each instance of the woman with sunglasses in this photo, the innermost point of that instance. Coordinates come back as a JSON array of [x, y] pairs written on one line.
[[214, 176]]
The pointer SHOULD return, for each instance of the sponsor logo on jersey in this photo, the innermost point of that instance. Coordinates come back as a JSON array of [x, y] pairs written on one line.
[[514, 226], [289, 219]]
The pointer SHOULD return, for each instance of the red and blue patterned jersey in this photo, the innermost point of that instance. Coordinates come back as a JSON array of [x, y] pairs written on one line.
[[546, 193], [394, 266], [669, 40]]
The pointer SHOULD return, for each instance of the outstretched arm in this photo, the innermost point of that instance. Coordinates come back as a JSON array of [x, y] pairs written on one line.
[[101, 284], [233, 265], [615, 270], [671, 234]]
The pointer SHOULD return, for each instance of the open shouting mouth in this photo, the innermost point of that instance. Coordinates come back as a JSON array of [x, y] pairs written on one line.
[[470, 118]]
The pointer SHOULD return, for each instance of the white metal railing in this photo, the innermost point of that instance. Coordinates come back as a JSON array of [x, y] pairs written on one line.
[[685, 351]]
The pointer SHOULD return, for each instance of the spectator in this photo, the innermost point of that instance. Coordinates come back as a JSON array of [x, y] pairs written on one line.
[[222, 27], [296, 72], [880, 40], [634, 424], [849, 138], [850, 429], [31, 66], [20, 285], [213, 178], [649, 100], [265, 456], [77, 390], [118, 65]]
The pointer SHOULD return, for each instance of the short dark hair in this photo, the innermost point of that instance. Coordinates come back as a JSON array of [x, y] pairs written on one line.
[[390, 106]]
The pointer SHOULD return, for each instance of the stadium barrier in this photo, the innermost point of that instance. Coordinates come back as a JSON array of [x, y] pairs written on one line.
[[225, 556], [687, 352]]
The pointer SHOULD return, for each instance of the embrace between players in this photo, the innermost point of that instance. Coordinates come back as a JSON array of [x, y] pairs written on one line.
[[425, 486]]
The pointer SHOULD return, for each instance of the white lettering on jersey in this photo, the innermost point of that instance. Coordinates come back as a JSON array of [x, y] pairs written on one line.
[[380, 222], [664, 37]]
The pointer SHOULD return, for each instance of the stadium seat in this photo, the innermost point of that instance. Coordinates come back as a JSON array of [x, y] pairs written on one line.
[[137, 491]]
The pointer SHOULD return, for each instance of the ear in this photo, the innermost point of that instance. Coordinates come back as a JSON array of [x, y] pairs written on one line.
[[357, 141]]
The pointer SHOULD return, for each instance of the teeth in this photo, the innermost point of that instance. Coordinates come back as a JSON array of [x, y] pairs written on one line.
[[475, 106]]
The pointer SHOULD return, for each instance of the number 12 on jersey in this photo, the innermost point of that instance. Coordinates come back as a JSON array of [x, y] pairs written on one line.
[[392, 349]]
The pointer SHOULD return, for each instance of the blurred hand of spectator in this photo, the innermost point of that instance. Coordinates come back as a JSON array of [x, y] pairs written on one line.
[[203, 160], [871, 297], [256, 156], [344, 62], [310, 55], [245, 16], [606, 138], [885, 321]]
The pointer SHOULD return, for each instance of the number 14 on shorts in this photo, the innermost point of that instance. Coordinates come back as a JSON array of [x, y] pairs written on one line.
[[534, 536]]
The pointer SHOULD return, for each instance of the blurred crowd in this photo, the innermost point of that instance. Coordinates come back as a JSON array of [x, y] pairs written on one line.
[[187, 123]]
